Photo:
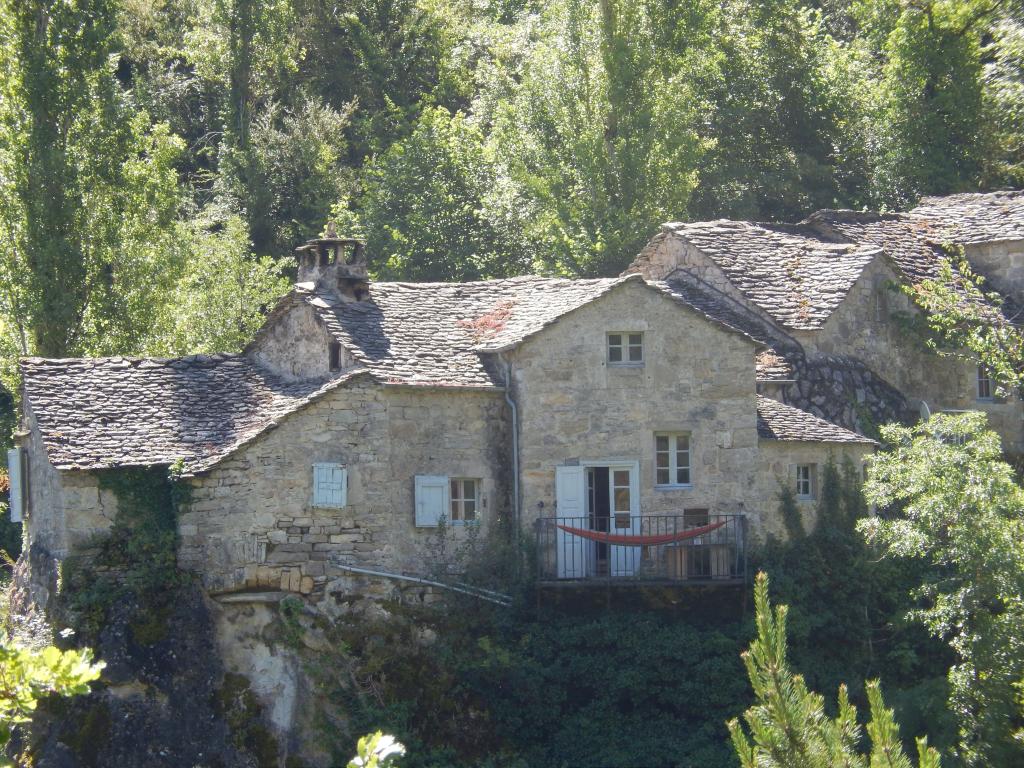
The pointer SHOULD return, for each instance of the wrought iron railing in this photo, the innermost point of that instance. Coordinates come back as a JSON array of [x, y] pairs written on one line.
[[688, 547]]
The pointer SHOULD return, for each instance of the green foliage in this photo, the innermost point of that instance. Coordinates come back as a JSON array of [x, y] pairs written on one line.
[[436, 208], [927, 114], [137, 559], [961, 319], [601, 133], [27, 675], [241, 710], [962, 517], [847, 610], [376, 750], [788, 726], [789, 512]]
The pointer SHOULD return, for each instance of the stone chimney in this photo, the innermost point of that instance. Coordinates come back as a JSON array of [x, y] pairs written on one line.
[[335, 263]]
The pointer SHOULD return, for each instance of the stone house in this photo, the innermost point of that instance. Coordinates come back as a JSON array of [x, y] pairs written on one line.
[[637, 427]]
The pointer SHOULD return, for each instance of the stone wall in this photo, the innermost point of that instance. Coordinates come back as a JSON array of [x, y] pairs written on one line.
[[65, 512], [1002, 266], [776, 467], [844, 391], [697, 378], [868, 326], [666, 253], [251, 522], [294, 345]]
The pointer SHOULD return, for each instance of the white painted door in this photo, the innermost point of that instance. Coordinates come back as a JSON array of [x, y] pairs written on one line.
[[625, 519], [570, 508]]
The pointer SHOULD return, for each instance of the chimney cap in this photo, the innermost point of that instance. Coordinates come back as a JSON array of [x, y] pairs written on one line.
[[330, 237]]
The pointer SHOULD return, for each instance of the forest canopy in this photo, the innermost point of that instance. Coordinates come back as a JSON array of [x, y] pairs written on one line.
[[160, 159]]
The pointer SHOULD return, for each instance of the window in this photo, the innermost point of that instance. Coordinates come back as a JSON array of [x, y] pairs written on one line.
[[334, 356], [984, 384], [671, 459], [464, 499], [17, 476], [881, 301], [622, 504], [805, 481], [451, 499], [625, 348], [330, 485]]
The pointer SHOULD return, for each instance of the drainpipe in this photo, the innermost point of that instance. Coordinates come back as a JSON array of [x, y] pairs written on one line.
[[515, 444]]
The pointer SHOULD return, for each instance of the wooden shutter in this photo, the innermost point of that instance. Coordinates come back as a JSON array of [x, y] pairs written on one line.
[[330, 485], [16, 472], [432, 499]]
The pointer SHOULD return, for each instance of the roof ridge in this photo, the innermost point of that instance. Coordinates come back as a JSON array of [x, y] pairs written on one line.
[[198, 357]]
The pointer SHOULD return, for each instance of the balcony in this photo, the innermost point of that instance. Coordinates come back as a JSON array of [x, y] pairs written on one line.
[[692, 548]]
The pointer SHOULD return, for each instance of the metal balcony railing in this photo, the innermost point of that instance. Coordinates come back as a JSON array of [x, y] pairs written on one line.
[[683, 548]]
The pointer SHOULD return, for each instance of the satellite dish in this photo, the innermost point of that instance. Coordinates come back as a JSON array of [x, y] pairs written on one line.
[[926, 412]]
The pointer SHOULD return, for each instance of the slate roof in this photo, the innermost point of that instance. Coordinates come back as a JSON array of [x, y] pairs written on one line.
[[440, 334], [115, 411], [776, 421], [903, 237], [790, 271], [973, 217]]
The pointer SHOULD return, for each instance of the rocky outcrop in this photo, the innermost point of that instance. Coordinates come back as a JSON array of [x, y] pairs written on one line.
[[163, 701]]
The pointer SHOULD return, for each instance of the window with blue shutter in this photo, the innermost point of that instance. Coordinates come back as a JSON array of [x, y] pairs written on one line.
[[16, 473], [432, 500], [330, 485]]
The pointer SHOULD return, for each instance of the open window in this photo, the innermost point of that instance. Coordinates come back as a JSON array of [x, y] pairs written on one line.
[[453, 500]]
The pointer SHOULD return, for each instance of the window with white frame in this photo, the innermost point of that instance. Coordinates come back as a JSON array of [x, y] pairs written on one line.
[[805, 481], [330, 485], [453, 500], [671, 459], [984, 383], [626, 348], [464, 499]]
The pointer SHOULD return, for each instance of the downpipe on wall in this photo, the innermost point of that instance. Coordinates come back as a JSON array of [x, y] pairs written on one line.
[[515, 445]]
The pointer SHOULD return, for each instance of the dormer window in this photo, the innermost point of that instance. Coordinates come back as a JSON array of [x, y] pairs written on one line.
[[984, 384], [625, 349], [334, 356]]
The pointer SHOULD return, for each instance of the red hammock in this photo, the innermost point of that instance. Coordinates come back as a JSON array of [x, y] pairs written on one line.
[[641, 541]]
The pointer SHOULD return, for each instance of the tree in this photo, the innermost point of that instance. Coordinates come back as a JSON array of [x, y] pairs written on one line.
[[602, 132], [789, 727], [27, 675], [961, 512], [961, 319], [64, 89], [435, 207], [927, 114], [782, 99], [88, 189]]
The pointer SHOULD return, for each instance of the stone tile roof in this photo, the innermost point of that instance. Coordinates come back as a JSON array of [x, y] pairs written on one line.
[[441, 334], [776, 421], [901, 236], [769, 365], [115, 411], [973, 217], [790, 271]]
